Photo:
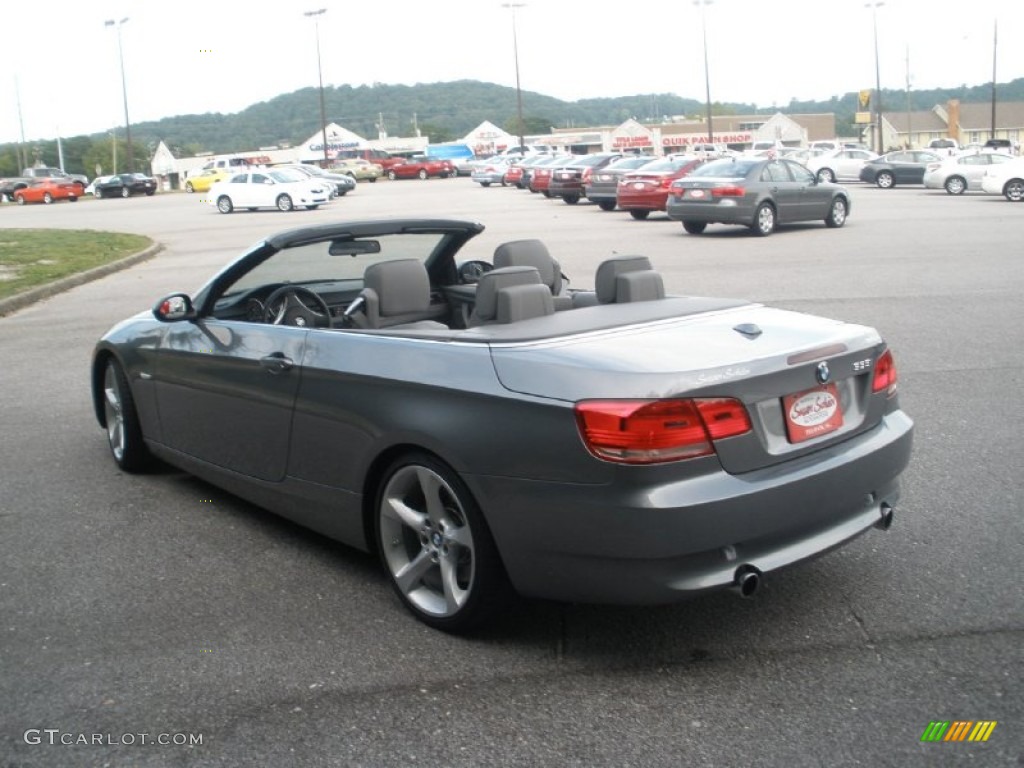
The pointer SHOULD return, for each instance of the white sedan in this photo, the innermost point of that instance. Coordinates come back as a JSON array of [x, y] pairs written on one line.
[[957, 175], [279, 188], [1005, 179], [840, 164]]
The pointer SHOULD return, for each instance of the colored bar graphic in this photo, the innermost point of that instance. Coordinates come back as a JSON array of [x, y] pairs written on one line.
[[959, 730]]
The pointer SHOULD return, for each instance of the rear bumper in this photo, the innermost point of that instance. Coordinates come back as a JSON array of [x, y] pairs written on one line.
[[635, 543]]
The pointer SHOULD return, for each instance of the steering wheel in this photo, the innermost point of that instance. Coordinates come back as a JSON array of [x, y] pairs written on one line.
[[285, 306], [470, 272]]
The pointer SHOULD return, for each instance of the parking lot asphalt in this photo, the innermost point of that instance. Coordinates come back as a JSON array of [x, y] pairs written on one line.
[[158, 604]]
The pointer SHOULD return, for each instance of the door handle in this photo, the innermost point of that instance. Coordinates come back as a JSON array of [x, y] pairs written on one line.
[[276, 362]]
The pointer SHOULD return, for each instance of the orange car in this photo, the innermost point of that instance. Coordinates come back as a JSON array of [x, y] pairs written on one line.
[[48, 190]]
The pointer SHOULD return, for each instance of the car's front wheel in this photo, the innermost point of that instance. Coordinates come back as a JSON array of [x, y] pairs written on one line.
[[826, 175], [885, 180], [284, 203], [47, 198], [1014, 190], [224, 204], [764, 220], [423, 173], [435, 545], [695, 227], [125, 192], [19, 199], [837, 213], [124, 433], [955, 185], [392, 175], [189, 188]]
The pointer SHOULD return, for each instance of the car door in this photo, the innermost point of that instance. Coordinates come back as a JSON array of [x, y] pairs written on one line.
[[815, 197], [226, 390], [784, 190]]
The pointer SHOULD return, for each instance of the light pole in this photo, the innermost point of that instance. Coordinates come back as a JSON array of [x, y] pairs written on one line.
[[315, 15], [519, 90], [124, 90], [707, 78], [874, 6], [995, 41]]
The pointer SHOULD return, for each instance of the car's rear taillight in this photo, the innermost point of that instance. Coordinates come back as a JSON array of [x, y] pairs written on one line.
[[885, 375], [657, 431], [731, 191]]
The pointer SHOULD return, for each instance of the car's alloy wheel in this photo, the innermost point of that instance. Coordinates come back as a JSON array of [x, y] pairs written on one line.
[[124, 434], [97, 193], [764, 220], [639, 215], [423, 173], [836, 213], [224, 204], [125, 192], [435, 545], [20, 199], [284, 203], [826, 175], [47, 198], [884, 180], [1014, 190], [189, 188], [695, 227], [392, 175], [955, 185]]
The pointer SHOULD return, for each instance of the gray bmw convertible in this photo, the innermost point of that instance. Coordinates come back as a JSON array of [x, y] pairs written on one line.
[[490, 432]]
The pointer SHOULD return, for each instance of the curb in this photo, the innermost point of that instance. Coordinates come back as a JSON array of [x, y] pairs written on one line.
[[22, 300]]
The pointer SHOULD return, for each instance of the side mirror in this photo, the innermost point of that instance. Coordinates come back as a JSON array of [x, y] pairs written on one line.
[[173, 308]]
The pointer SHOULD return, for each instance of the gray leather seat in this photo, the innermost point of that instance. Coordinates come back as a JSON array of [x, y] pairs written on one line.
[[397, 294], [622, 279], [533, 253], [510, 294]]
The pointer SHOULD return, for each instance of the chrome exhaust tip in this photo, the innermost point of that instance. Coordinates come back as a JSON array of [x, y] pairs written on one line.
[[747, 581], [885, 521]]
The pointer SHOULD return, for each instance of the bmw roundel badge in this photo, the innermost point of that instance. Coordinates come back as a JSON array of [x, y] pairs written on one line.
[[823, 373]]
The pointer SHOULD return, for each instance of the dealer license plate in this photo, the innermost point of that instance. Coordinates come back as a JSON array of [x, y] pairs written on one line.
[[812, 413], [696, 193]]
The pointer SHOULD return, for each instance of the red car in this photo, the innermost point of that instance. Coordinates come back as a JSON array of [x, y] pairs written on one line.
[[646, 190], [540, 174], [421, 167], [48, 190]]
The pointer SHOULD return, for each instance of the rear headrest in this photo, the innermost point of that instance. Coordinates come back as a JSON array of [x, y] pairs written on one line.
[[627, 278], [486, 308]]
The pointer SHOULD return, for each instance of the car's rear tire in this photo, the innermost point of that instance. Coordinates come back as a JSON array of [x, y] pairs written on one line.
[[284, 203], [955, 185], [150, 193], [392, 175], [885, 180], [373, 179], [189, 188], [312, 207], [19, 199], [571, 199], [97, 193], [47, 198], [485, 183], [72, 199], [695, 227], [423, 173], [639, 215], [435, 545], [1013, 190], [124, 433], [826, 175], [125, 192], [764, 220], [606, 205], [224, 204]]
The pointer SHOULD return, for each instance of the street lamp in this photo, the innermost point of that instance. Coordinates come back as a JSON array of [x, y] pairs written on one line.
[[519, 90], [315, 15], [707, 78], [878, 78], [124, 89]]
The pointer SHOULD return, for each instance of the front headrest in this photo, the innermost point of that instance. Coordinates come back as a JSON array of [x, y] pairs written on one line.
[[401, 285]]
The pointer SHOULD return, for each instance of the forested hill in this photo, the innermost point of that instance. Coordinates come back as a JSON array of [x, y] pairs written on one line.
[[447, 111]]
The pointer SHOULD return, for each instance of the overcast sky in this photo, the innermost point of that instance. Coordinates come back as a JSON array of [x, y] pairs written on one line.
[[192, 56]]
